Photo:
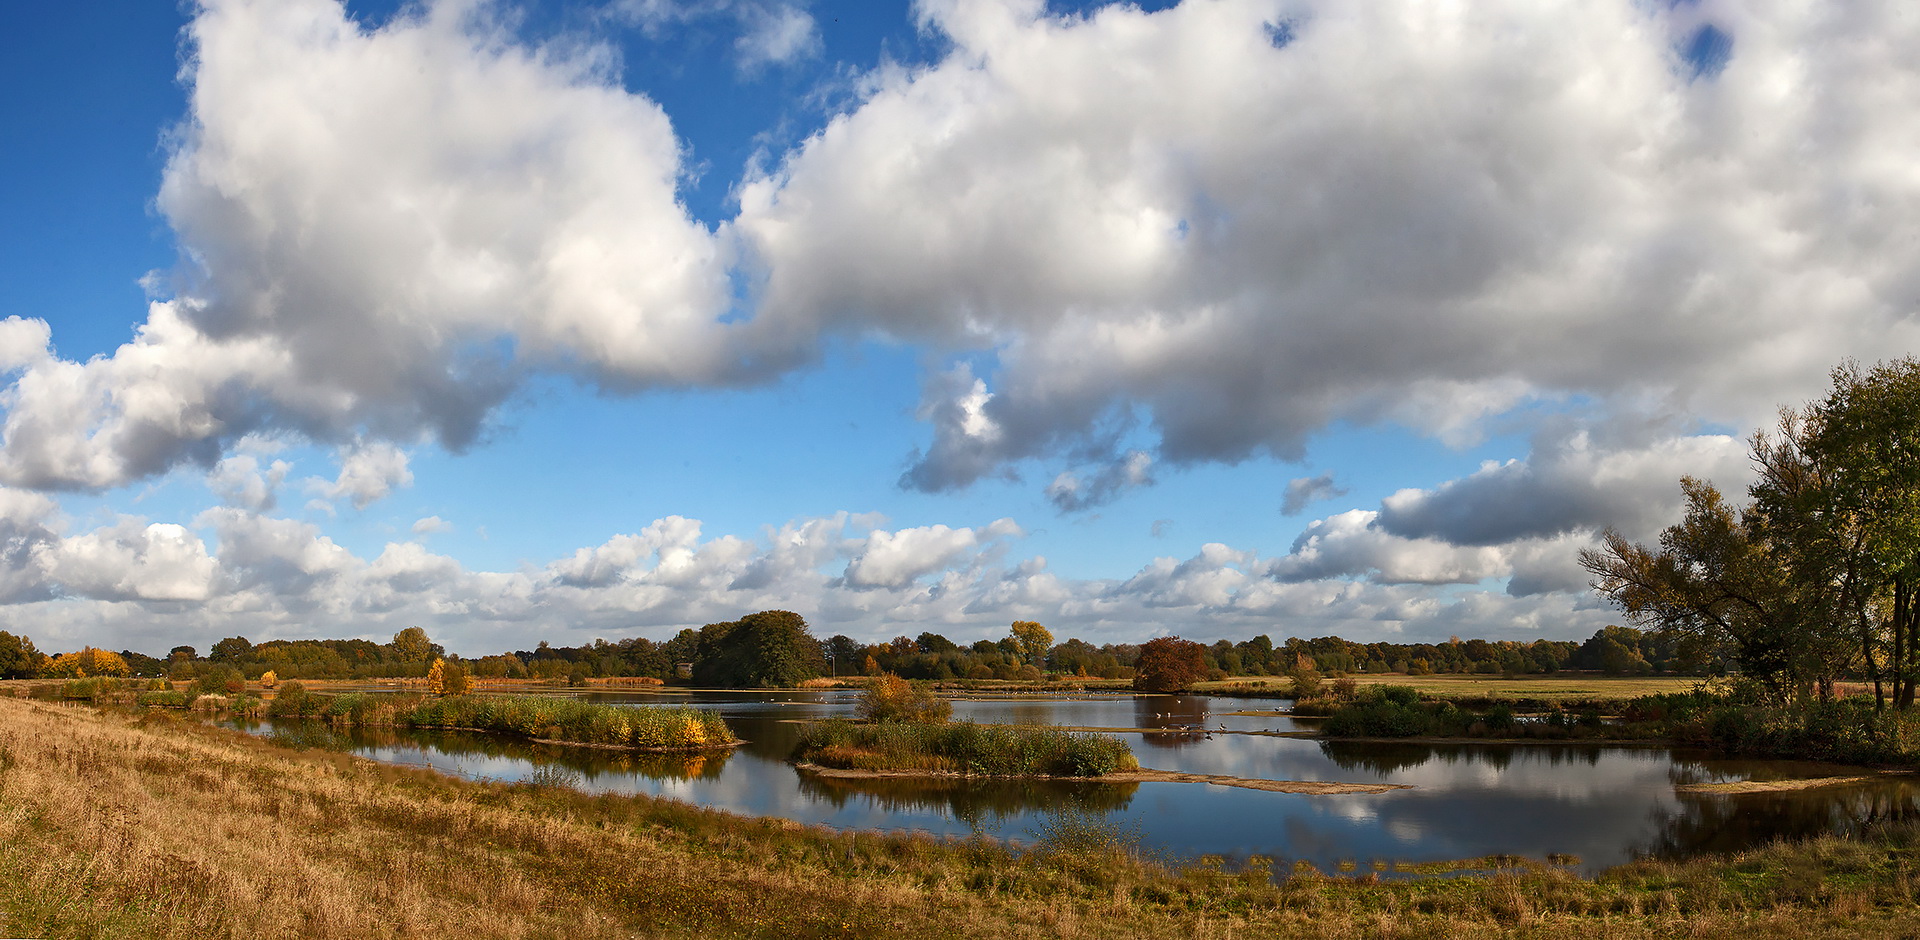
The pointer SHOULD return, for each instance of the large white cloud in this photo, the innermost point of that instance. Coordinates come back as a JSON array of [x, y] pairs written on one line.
[[1224, 224], [1245, 220]]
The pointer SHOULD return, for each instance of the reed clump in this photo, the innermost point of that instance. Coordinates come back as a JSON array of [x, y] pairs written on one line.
[[661, 728], [964, 747]]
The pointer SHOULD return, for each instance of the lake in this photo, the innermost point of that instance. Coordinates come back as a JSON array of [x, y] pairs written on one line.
[[1601, 805]]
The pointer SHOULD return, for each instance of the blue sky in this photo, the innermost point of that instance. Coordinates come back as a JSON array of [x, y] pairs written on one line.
[[572, 320]]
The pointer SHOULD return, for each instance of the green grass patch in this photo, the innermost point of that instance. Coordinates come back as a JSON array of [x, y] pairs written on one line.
[[662, 728], [964, 747]]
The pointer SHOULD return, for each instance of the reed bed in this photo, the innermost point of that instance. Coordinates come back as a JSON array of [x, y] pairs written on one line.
[[651, 728], [964, 747]]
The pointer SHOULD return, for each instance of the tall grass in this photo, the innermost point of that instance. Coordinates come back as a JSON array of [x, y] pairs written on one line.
[[528, 716], [964, 747]]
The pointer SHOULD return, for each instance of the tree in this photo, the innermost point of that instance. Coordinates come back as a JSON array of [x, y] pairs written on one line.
[[844, 654], [1861, 448], [87, 662], [1170, 664], [454, 679], [230, 650], [1820, 575], [18, 658], [1032, 640], [437, 677], [771, 648], [413, 647], [1715, 581]]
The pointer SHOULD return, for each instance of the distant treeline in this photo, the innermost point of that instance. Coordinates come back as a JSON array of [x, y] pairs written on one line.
[[776, 648]]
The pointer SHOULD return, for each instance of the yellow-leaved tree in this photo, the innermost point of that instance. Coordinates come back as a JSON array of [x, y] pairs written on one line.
[[437, 677]]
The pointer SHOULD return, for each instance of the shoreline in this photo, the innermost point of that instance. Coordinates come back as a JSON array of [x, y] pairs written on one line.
[[1143, 775]]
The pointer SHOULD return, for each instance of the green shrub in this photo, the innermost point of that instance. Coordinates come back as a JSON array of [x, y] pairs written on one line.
[[162, 699], [964, 747]]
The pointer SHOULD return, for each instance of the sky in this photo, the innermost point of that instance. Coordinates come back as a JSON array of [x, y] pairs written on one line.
[[574, 319]]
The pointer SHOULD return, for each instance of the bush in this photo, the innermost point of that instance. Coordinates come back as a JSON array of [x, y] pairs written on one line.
[[891, 698], [162, 699], [964, 747]]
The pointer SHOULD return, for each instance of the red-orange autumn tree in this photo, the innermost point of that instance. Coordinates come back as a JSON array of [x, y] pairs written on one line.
[[1170, 664]]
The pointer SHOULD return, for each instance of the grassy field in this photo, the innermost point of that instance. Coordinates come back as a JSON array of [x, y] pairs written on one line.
[[1565, 690], [128, 825]]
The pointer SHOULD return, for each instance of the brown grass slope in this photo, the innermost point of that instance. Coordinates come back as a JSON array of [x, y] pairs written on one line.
[[119, 825]]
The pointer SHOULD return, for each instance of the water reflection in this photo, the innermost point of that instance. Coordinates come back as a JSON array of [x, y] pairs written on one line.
[[980, 805], [1603, 805], [1733, 822], [1183, 716]]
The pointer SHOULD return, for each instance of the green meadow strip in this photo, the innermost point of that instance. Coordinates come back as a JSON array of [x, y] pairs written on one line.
[[964, 747], [669, 728]]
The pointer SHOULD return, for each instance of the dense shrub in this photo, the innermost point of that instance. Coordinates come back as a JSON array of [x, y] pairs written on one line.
[[1395, 711], [163, 699], [573, 722], [891, 698], [964, 747]]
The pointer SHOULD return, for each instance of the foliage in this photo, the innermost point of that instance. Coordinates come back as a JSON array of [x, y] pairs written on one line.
[[86, 662], [1032, 639], [964, 747], [1170, 664], [454, 679], [413, 646], [891, 698], [221, 679], [769, 649], [1816, 578], [574, 722], [162, 699], [553, 719], [292, 700], [230, 650], [18, 657]]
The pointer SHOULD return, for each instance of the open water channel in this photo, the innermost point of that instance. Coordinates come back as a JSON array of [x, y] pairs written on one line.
[[1601, 805]]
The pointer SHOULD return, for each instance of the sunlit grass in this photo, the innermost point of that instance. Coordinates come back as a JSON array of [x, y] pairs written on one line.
[[964, 747], [538, 717]]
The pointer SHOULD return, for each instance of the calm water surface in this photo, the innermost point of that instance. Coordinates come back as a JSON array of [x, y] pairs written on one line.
[[1602, 805]]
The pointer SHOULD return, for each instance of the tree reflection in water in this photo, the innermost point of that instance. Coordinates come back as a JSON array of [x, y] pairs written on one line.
[[1388, 757], [1722, 823], [974, 802], [1184, 717]]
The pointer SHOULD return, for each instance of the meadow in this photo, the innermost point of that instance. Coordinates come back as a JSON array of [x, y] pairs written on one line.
[[126, 823]]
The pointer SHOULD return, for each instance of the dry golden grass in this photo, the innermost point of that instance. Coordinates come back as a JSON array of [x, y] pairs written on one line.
[[123, 825]]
